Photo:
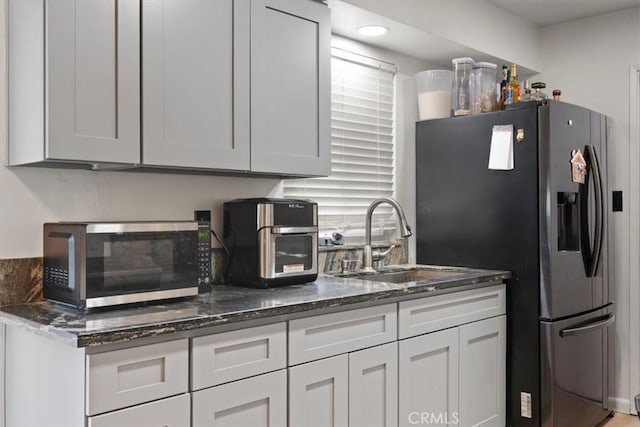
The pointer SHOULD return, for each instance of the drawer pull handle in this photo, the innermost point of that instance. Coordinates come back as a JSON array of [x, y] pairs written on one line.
[[600, 323]]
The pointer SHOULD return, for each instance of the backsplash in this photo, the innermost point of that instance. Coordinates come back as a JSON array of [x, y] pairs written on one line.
[[21, 278], [330, 258]]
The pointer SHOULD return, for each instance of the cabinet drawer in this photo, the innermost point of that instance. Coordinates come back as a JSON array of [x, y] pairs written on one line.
[[172, 412], [256, 401], [220, 358], [135, 375], [316, 337], [430, 314]]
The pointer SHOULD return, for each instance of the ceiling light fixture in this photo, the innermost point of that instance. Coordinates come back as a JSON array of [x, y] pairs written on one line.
[[372, 30]]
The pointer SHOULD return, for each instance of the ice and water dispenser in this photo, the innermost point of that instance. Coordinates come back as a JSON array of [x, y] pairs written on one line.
[[568, 221]]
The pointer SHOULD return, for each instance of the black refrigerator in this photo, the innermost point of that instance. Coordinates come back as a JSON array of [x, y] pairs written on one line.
[[548, 228]]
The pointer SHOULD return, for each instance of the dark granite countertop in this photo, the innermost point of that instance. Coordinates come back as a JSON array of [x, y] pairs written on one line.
[[223, 305]]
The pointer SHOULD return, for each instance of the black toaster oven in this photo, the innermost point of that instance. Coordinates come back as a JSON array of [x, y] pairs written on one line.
[[271, 242]]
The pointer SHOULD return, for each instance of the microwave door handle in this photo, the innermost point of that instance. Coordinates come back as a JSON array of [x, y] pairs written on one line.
[[293, 230], [600, 323], [599, 210], [71, 244]]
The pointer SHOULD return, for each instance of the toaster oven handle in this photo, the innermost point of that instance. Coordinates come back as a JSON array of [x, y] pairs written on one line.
[[293, 230]]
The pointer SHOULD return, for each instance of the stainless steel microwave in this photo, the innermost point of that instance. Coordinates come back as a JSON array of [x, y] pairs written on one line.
[[109, 263]]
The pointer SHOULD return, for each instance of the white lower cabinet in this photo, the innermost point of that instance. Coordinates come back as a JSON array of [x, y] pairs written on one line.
[[336, 369], [483, 373], [257, 401], [354, 389], [172, 412], [455, 376], [373, 386], [428, 379], [318, 393]]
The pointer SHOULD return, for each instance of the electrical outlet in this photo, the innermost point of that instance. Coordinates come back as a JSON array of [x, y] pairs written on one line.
[[616, 201], [203, 216]]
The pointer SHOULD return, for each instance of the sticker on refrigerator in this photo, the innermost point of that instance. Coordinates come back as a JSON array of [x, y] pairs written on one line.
[[578, 167]]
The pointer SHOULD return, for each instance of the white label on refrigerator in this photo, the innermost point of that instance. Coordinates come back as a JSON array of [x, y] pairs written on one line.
[[501, 152], [525, 404]]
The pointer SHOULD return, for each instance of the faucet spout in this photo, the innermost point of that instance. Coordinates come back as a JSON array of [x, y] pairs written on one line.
[[405, 230]]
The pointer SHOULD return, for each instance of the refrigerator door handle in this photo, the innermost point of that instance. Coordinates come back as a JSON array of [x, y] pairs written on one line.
[[580, 328], [585, 238], [599, 209], [591, 252]]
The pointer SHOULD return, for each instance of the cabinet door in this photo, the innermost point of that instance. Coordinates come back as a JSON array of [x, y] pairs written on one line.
[[428, 379], [373, 386], [93, 64], [290, 87], [195, 91], [255, 402], [483, 372], [171, 412], [318, 393]]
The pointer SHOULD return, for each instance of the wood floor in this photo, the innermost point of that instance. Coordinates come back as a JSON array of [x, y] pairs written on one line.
[[621, 420]]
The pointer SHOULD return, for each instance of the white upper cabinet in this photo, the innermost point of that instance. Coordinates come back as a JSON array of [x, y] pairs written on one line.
[[213, 85], [290, 87], [195, 83], [86, 105]]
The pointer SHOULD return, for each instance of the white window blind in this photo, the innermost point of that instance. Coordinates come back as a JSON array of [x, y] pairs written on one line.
[[362, 147]]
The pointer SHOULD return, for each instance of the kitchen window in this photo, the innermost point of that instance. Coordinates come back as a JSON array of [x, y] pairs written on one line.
[[362, 149]]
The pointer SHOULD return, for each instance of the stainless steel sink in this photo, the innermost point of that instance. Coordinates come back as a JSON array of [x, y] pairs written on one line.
[[409, 274], [412, 275]]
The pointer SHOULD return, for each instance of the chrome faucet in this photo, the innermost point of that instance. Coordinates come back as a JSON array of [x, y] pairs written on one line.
[[405, 231]]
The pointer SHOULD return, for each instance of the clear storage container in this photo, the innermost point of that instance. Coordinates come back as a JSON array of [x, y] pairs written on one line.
[[434, 94], [461, 95], [483, 88], [539, 95]]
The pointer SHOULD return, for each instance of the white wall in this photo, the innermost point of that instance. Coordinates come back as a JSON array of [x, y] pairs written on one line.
[[590, 60], [30, 197]]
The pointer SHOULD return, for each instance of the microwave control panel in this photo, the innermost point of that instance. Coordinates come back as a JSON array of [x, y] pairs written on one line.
[[204, 253]]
